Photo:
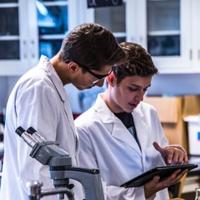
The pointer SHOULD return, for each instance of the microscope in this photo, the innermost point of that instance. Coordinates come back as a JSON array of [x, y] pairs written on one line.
[[61, 169]]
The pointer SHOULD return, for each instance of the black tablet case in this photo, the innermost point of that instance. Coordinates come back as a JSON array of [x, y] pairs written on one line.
[[163, 172]]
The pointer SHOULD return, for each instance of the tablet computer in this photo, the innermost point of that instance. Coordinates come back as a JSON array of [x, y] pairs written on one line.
[[163, 172]]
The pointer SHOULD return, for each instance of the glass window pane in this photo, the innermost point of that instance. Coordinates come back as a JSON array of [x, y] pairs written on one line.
[[9, 21], [164, 45], [52, 19], [52, 0], [111, 17], [163, 15], [12, 50], [9, 1], [163, 23], [49, 47], [120, 39], [87, 97]]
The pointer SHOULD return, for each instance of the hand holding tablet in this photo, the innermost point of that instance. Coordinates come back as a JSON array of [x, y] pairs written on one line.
[[162, 171]]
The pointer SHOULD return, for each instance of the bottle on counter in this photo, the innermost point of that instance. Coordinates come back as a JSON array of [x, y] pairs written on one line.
[[2, 123], [197, 191]]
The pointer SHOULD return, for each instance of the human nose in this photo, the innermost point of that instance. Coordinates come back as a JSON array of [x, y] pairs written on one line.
[[140, 95]]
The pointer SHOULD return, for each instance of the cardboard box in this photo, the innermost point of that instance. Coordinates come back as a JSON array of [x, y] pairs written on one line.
[[170, 112], [191, 105]]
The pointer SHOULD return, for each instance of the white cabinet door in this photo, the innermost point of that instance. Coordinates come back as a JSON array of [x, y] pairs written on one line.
[[195, 51], [113, 18], [164, 27], [55, 18], [53, 25], [16, 40]]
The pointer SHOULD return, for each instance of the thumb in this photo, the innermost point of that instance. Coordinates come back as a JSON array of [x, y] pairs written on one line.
[[158, 147]]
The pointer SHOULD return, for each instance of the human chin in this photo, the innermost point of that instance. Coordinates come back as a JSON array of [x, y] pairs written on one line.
[[80, 87], [85, 87], [125, 108], [131, 107]]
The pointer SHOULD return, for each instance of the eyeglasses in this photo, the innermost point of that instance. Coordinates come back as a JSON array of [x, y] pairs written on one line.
[[98, 76]]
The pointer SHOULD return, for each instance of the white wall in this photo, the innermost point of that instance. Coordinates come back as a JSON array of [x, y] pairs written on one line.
[[165, 84], [175, 85]]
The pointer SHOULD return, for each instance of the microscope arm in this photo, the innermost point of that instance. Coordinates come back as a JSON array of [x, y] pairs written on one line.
[[89, 178]]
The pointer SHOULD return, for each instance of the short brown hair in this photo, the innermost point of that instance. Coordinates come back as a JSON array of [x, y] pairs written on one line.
[[139, 62], [91, 45]]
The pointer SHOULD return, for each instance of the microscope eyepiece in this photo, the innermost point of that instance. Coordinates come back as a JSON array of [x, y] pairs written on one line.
[[31, 130], [19, 131]]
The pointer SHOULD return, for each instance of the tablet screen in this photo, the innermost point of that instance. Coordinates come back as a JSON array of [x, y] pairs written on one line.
[[162, 171]]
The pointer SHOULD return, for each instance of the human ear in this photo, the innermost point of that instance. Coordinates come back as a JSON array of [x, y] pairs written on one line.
[[73, 66], [111, 79]]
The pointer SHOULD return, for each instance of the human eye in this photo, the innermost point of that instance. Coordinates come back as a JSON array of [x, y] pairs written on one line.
[[133, 89], [145, 89]]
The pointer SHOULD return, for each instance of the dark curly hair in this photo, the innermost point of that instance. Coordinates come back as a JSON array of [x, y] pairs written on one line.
[[139, 62], [91, 45]]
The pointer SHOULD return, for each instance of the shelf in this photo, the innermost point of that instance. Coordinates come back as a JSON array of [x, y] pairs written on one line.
[[164, 33], [9, 5]]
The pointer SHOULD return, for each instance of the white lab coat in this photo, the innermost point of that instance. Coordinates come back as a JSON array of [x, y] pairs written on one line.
[[106, 144], [38, 100]]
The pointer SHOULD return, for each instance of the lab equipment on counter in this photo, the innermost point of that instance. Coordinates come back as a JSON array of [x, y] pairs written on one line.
[[61, 169], [197, 195], [2, 123]]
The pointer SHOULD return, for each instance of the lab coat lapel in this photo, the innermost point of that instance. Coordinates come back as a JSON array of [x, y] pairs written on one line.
[[115, 126], [61, 92], [142, 128], [121, 133]]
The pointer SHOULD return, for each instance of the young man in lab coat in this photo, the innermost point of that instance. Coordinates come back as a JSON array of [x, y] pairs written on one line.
[[39, 100], [123, 137]]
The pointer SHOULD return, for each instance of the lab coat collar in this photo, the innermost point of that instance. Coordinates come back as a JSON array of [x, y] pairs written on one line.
[[106, 114], [49, 69], [108, 117], [142, 128]]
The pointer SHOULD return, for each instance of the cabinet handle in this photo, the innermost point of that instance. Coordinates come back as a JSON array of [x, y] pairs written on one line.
[[25, 49], [198, 54], [32, 44], [191, 54], [141, 39], [132, 39]]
